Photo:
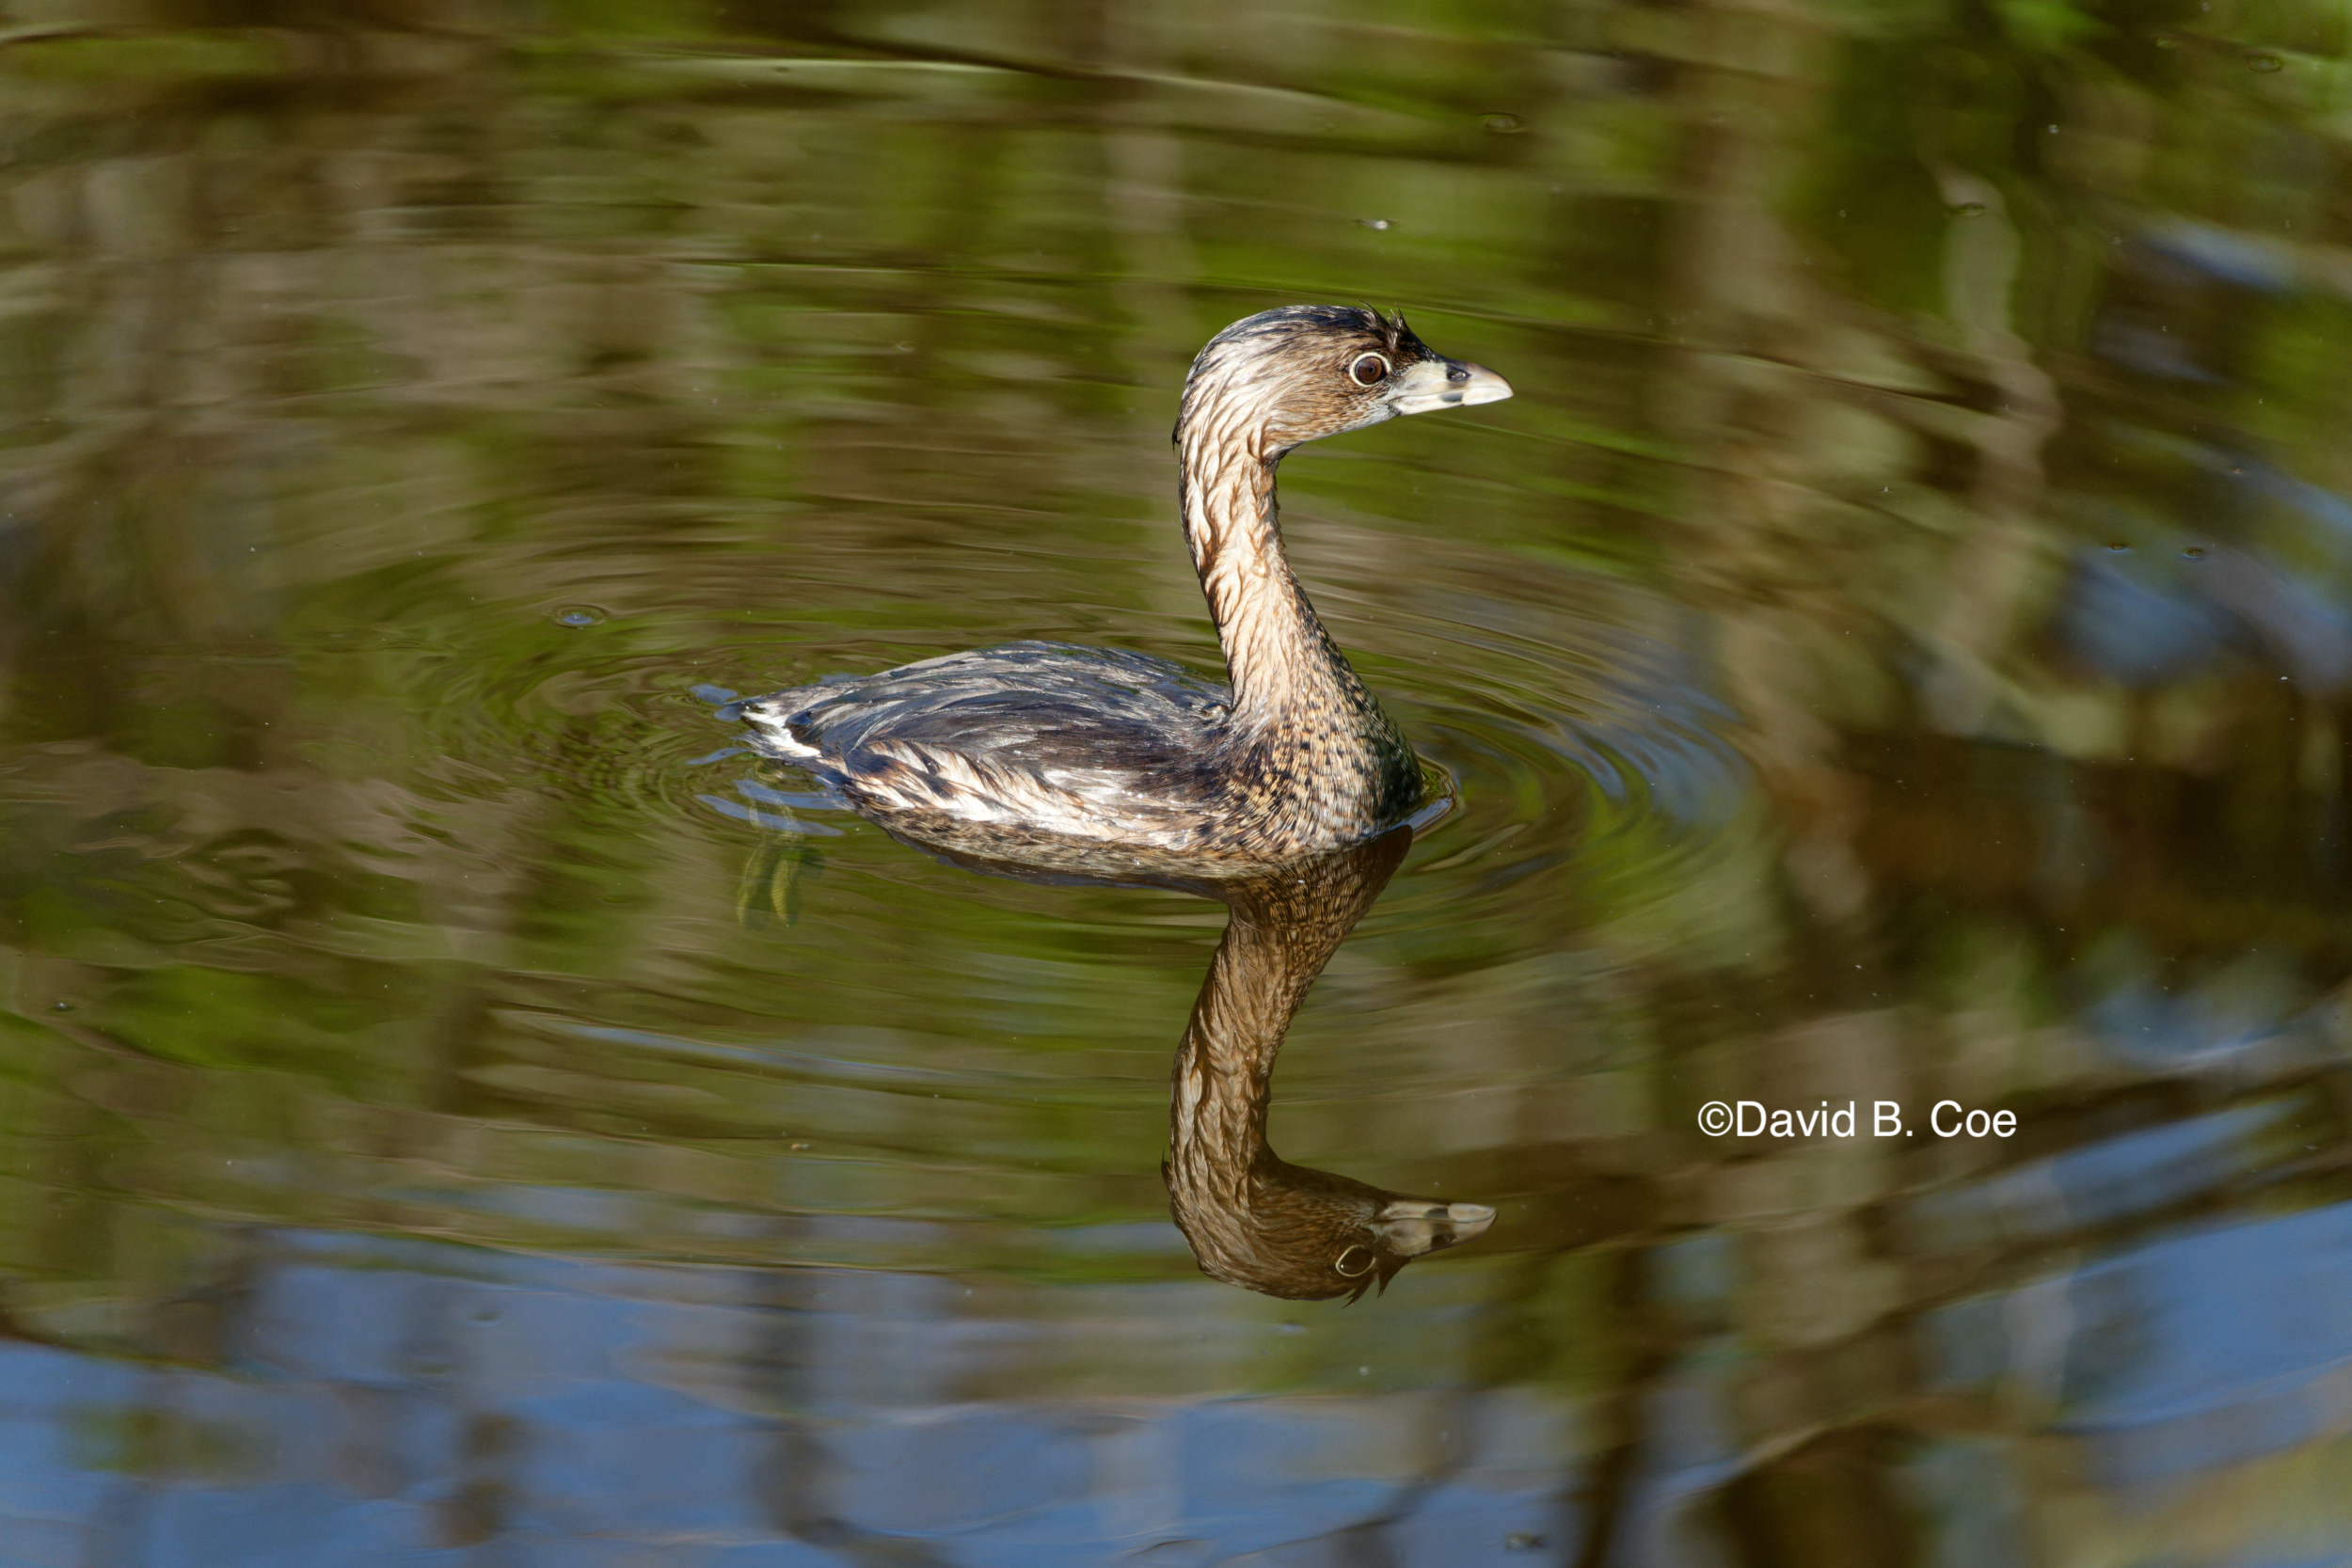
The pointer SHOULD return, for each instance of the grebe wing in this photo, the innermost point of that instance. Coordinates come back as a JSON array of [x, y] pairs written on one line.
[[1035, 705]]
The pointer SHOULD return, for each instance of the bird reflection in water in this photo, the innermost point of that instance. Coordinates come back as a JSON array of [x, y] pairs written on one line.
[[1254, 1219]]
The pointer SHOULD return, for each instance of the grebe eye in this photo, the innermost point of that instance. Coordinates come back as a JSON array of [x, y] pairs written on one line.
[[1358, 1250], [1368, 370]]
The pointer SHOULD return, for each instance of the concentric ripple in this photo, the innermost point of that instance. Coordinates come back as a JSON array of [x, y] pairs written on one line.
[[1573, 716], [519, 766]]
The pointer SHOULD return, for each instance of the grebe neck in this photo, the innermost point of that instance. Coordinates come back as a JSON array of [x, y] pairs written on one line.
[[1277, 657], [1223, 1069]]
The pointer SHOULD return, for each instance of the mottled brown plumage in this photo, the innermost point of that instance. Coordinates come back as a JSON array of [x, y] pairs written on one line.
[[1047, 754], [1252, 1218]]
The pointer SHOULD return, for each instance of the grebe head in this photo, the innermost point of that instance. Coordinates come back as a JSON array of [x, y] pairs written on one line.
[[1304, 371], [1307, 1235]]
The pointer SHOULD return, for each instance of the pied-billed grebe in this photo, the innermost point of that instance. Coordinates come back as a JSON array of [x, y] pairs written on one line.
[[1252, 1218], [1034, 747]]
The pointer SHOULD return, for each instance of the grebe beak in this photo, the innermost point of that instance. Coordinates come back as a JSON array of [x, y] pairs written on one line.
[[1447, 384], [1480, 386], [1412, 1225]]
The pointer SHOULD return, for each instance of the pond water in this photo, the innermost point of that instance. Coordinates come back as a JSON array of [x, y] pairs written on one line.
[[457, 1106]]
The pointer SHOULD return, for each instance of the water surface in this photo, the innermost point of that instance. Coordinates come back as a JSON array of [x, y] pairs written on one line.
[[1897, 646]]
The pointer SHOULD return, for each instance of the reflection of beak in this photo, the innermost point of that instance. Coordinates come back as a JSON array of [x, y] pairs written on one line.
[[1409, 1226], [1446, 384]]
